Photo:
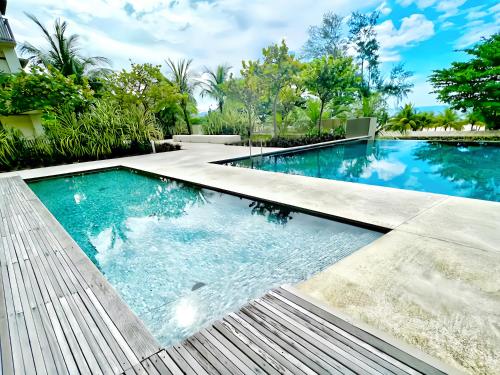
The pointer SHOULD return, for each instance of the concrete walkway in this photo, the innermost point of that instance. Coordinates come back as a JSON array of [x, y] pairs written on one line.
[[433, 280]]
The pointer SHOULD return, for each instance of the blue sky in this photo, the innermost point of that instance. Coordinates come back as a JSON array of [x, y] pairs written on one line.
[[422, 33]]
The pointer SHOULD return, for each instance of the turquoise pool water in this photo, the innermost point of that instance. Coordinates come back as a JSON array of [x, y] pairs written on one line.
[[465, 170], [182, 256]]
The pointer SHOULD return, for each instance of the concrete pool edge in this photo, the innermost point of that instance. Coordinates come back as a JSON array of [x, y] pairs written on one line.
[[434, 218], [294, 149]]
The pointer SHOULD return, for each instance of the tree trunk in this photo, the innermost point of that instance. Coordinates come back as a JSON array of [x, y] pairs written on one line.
[[186, 119], [320, 117], [275, 125], [221, 104], [362, 70]]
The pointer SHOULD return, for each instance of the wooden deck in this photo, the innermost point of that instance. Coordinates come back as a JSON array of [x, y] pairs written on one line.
[[58, 315]]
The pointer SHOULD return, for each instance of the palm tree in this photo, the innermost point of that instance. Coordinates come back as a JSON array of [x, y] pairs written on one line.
[[213, 86], [63, 53], [449, 119], [406, 119], [474, 119], [182, 76]]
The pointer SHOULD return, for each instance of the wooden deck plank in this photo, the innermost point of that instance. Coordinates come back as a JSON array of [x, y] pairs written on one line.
[[379, 360], [212, 354], [346, 359], [169, 363], [161, 367], [184, 360], [294, 343]]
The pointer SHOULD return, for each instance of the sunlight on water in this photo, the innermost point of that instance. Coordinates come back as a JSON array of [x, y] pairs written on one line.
[[182, 256]]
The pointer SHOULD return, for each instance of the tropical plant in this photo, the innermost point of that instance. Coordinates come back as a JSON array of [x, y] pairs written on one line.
[[183, 77], [63, 52], [449, 119], [312, 113], [475, 84], [230, 121], [331, 79], [213, 86], [326, 39], [278, 70], [474, 119], [405, 120], [42, 90]]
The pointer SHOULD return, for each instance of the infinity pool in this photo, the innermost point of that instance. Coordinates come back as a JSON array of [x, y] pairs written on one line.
[[463, 169], [182, 256]]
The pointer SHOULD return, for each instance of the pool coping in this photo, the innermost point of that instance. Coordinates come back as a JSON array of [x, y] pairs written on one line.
[[409, 224], [291, 150]]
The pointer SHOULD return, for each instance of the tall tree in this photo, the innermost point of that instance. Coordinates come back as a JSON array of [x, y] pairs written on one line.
[[474, 84], [183, 77], [247, 90], [213, 86], [398, 85], [326, 39], [278, 70], [364, 39], [63, 53], [143, 85], [331, 79]]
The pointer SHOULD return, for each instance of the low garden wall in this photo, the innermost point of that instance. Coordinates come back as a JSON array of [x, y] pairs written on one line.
[[219, 139]]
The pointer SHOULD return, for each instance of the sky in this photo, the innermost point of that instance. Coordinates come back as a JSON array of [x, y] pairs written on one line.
[[424, 34]]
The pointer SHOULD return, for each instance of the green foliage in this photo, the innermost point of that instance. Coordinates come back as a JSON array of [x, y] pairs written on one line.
[[42, 90], [284, 142], [230, 121], [63, 53], [182, 76], [407, 119], [473, 85], [364, 38], [326, 39], [449, 119], [398, 85], [278, 70], [105, 130], [213, 87], [331, 80], [144, 85], [247, 90]]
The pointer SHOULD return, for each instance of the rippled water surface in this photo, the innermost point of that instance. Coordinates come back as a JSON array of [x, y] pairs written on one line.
[[182, 256], [463, 169]]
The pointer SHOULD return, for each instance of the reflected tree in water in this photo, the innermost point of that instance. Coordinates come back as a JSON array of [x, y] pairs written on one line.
[[461, 166], [273, 213]]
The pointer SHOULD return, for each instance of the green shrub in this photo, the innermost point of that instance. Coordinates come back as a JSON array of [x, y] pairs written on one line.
[[105, 130], [230, 121]]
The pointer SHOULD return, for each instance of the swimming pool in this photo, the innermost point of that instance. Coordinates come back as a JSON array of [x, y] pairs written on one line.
[[462, 169], [182, 256]]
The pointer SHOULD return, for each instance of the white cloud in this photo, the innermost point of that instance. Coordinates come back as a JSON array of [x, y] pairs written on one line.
[[421, 4], [449, 8], [211, 32], [384, 8], [413, 29], [479, 27], [447, 25]]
